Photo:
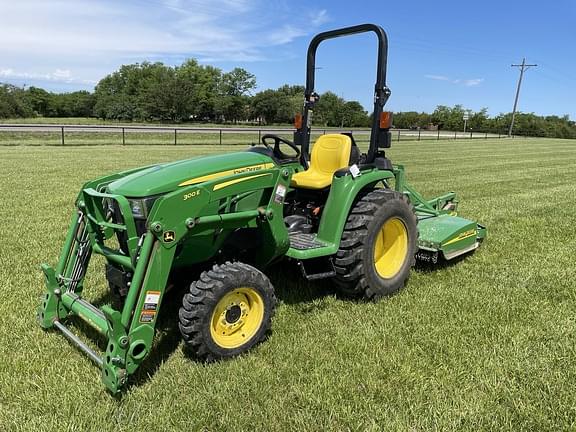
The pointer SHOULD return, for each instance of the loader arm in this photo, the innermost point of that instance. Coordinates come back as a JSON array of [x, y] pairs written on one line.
[[150, 257]]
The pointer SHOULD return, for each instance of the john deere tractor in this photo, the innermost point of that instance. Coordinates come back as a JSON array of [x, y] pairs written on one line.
[[335, 212]]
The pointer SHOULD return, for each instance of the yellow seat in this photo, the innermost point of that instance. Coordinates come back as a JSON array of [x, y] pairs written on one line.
[[330, 153]]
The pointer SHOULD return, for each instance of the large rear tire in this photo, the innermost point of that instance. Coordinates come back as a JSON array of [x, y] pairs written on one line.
[[227, 311], [378, 246]]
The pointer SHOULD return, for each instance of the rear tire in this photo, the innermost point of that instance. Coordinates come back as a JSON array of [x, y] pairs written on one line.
[[378, 245], [227, 311]]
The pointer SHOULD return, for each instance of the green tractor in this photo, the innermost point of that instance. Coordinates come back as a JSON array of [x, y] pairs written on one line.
[[337, 213]]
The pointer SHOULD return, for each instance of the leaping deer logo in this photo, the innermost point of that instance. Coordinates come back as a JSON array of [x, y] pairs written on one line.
[[169, 236]]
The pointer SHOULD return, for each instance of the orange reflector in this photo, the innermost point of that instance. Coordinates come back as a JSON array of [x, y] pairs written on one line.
[[298, 121], [385, 120]]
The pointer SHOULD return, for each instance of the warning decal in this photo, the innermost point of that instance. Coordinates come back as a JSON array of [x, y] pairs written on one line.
[[151, 301], [280, 194], [147, 316]]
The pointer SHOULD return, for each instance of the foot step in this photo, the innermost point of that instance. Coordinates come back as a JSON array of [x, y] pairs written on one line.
[[304, 241], [317, 268]]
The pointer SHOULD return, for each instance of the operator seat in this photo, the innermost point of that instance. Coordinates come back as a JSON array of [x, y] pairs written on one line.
[[330, 153]]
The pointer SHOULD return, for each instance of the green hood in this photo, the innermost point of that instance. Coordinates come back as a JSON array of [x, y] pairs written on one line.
[[164, 178]]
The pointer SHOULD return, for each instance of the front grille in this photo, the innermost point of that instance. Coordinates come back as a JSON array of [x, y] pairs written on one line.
[[122, 236]]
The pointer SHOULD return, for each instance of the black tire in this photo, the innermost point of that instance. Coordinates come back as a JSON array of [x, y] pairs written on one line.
[[232, 289], [356, 271]]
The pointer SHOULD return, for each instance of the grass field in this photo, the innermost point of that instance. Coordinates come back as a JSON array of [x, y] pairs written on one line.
[[487, 343], [132, 138]]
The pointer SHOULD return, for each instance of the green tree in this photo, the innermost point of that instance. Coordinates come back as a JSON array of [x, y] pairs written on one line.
[[478, 121], [329, 110], [448, 118], [41, 101], [14, 103], [199, 88], [160, 96], [117, 94], [354, 115], [266, 105], [234, 101], [411, 120], [277, 106]]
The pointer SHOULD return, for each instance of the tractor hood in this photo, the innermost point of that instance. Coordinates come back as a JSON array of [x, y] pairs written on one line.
[[164, 178]]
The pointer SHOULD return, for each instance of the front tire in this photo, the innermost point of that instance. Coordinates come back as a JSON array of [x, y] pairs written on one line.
[[378, 245], [227, 311]]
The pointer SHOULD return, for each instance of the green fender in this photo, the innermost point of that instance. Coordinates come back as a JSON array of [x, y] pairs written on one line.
[[343, 193]]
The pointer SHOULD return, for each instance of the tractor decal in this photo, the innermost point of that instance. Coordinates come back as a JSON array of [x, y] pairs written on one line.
[[462, 236], [234, 171], [231, 182]]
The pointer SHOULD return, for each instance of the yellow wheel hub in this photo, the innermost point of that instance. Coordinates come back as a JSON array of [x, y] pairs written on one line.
[[237, 317], [390, 248]]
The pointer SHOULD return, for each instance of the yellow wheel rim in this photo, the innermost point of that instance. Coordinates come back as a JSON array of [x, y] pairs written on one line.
[[237, 317], [390, 248]]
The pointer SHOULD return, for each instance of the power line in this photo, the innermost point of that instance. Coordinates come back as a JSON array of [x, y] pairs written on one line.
[[523, 67]]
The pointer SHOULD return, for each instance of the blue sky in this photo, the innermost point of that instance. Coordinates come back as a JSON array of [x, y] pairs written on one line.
[[440, 53]]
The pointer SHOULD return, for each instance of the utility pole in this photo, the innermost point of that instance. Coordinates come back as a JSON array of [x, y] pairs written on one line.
[[523, 67]]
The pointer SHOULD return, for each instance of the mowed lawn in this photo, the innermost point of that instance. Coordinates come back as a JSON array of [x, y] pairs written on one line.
[[487, 343]]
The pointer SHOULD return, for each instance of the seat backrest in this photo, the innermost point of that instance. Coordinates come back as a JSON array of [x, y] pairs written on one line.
[[330, 153]]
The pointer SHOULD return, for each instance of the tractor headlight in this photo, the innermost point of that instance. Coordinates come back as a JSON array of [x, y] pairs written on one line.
[[137, 207], [140, 207]]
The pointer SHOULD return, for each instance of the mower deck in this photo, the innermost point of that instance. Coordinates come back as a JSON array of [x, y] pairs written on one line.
[[448, 235]]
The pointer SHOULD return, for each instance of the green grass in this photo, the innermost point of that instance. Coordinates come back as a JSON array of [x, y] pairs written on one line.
[[487, 343]]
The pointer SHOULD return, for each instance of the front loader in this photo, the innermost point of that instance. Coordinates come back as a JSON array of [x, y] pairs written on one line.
[[337, 213]]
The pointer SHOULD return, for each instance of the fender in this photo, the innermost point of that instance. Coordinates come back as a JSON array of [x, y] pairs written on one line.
[[342, 196]]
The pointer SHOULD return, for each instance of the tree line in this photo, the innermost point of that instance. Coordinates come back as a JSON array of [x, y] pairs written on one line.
[[192, 92], [189, 92], [452, 119]]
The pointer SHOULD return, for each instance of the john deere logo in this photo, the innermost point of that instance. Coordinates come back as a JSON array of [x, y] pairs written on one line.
[[169, 236]]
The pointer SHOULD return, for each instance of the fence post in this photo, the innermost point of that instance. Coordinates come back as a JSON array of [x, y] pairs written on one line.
[[62, 128], [470, 133], [418, 134], [324, 132], [259, 135], [438, 138], [123, 137], [220, 136], [454, 134], [398, 135], [486, 135], [175, 138]]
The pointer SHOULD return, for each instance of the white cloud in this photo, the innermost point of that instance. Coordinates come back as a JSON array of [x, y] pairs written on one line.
[[285, 35], [473, 82], [6, 72], [59, 75], [321, 17], [465, 82], [438, 77], [63, 74], [81, 40]]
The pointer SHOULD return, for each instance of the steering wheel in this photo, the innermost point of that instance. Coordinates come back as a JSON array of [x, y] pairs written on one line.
[[276, 149]]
